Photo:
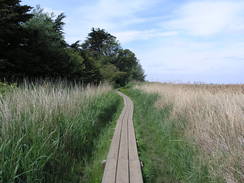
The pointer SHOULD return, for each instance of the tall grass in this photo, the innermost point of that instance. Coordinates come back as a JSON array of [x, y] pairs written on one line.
[[5, 88], [48, 131], [215, 122], [165, 154], [95, 167]]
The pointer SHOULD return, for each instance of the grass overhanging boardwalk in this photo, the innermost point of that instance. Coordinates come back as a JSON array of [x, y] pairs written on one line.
[[123, 165]]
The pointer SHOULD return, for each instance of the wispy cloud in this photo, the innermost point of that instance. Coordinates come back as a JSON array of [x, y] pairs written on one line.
[[112, 15], [110, 9], [113, 12], [134, 35], [194, 61], [52, 11], [205, 18]]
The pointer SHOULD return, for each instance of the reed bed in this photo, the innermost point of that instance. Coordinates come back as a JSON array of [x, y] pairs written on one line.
[[215, 122], [47, 131]]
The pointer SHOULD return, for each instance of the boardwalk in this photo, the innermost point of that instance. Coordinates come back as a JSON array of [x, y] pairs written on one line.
[[123, 165]]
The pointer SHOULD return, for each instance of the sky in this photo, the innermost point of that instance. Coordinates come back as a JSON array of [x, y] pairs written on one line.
[[182, 41]]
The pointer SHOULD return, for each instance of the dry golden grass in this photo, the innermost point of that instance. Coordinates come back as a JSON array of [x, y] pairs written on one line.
[[41, 102], [215, 116], [50, 127]]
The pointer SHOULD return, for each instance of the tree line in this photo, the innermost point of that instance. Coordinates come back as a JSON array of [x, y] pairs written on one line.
[[32, 46]]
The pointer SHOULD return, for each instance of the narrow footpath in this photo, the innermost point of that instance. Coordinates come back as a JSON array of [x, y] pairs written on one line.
[[122, 164]]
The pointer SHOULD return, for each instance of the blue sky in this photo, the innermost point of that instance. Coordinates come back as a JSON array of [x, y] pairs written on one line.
[[175, 40]]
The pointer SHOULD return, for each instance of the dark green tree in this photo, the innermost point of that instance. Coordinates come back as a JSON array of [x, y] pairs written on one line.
[[126, 60], [115, 64], [138, 73], [45, 54], [58, 24], [13, 37], [48, 55], [32, 46], [127, 63], [91, 72], [101, 43]]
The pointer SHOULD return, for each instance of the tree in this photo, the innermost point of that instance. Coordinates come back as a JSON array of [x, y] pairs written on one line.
[[101, 43], [12, 36], [127, 62], [138, 73], [45, 54], [32, 46], [48, 56], [58, 24], [116, 65], [91, 72]]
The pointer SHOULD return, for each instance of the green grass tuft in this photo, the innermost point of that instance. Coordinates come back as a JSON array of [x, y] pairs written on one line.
[[4, 88]]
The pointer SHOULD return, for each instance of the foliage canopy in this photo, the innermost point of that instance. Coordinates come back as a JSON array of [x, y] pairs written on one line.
[[32, 46]]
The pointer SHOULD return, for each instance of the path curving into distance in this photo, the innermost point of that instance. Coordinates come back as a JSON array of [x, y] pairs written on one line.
[[123, 165]]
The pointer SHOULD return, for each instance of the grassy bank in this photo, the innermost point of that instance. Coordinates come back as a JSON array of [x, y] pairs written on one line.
[[166, 155], [49, 133]]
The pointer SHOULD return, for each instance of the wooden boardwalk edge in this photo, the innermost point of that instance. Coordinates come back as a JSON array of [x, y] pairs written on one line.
[[123, 165]]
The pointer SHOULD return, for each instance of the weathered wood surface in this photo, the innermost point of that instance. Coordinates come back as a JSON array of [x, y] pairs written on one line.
[[123, 165]]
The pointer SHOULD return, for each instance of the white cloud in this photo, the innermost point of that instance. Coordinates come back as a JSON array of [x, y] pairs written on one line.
[[112, 15], [110, 9], [181, 60], [52, 11], [208, 17], [128, 36]]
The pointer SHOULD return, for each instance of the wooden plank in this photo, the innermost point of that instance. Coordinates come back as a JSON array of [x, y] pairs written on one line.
[[123, 150], [123, 165], [122, 171], [110, 170], [114, 147], [133, 154], [135, 172], [134, 163]]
